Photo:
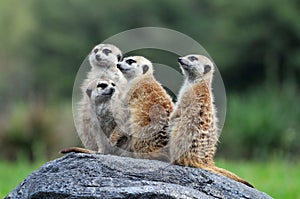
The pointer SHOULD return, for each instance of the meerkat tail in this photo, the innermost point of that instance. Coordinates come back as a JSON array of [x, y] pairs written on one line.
[[228, 174], [77, 150]]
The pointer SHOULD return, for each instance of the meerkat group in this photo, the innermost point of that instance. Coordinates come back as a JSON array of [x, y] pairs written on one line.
[[125, 111]]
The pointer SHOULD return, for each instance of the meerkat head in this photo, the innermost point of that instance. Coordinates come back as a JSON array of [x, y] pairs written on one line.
[[104, 55], [196, 67], [101, 90], [135, 66]]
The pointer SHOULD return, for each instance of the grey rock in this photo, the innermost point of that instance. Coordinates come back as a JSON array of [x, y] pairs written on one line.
[[106, 176]]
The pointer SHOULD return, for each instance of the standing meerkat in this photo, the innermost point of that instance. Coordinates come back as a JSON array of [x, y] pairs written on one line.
[[99, 119], [193, 124], [103, 59], [149, 106]]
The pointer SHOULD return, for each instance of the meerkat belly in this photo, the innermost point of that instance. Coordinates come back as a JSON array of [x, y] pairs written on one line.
[[106, 119], [143, 100], [193, 131], [150, 111]]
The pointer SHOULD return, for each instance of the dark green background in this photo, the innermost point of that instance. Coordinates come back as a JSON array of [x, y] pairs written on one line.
[[255, 44]]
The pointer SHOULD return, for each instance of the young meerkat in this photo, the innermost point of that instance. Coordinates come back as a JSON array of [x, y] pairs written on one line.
[[103, 59], [193, 123], [149, 106], [99, 119]]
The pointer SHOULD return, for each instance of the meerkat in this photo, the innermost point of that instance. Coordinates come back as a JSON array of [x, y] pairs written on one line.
[[149, 106], [103, 59], [193, 123], [99, 121]]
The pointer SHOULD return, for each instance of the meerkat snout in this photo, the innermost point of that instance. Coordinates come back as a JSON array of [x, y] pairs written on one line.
[[97, 57], [119, 66], [104, 88], [183, 63], [135, 66], [108, 89], [180, 60]]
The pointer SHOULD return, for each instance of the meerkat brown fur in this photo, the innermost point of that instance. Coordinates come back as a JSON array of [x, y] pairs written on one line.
[[149, 106], [193, 124]]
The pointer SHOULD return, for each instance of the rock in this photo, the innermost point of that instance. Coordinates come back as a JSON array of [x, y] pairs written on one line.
[[106, 176]]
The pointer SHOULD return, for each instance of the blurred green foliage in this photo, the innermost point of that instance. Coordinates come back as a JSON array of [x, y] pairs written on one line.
[[255, 44], [261, 123]]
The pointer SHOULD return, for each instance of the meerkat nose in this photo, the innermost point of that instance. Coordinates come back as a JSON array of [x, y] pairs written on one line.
[[97, 57], [180, 60], [118, 65], [112, 90]]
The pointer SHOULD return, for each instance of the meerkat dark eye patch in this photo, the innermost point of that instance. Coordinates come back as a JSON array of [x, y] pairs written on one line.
[[106, 51], [192, 58], [207, 68], [102, 85], [88, 92], [130, 61], [145, 68], [113, 84], [96, 50], [119, 57]]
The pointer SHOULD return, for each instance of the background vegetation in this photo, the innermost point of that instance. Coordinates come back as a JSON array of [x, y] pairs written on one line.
[[255, 44]]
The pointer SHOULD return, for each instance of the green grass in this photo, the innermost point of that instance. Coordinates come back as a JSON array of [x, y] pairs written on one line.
[[277, 178], [11, 174]]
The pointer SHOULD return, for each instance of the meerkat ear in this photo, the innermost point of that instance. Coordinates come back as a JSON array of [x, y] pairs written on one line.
[[89, 92], [145, 68], [207, 68]]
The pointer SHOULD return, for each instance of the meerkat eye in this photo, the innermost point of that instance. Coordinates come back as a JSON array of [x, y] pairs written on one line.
[[106, 51], [101, 85], [113, 84], [119, 57], [130, 61], [95, 50], [192, 58]]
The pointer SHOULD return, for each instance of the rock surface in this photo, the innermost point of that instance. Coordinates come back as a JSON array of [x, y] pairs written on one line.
[[105, 176]]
